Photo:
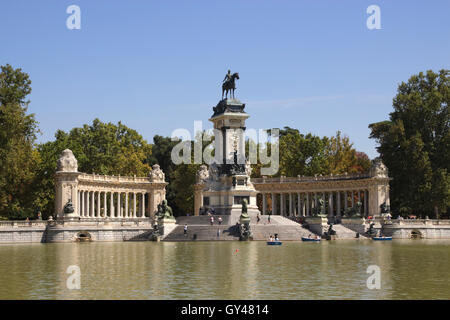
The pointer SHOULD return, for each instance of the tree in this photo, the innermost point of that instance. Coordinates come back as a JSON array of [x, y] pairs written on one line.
[[18, 132], [414, 145]]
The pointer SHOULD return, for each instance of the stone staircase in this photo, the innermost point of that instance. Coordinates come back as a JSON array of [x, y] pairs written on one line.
[[204, 233], [345, 233], [200, 229]]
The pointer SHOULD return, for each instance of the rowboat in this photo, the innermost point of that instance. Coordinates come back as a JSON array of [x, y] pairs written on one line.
[[310, 239], [382, 238], [274, 243]]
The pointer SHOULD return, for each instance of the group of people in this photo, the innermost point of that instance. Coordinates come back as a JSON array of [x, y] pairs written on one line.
[[211, 220], [274, 238], [310, 236]]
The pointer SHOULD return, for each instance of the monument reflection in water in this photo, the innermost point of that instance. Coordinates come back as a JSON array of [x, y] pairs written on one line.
[[227, 270]]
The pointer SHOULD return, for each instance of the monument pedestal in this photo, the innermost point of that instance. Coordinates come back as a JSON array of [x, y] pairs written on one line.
[[223, 186]]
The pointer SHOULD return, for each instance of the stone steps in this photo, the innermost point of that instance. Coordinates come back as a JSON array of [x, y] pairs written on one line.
[[344, 233], [200, 226]]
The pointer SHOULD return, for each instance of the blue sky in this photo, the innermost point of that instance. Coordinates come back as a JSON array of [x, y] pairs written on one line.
[[158, 65]]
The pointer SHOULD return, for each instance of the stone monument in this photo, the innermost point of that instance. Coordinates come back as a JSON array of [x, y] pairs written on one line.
[[226, 183]]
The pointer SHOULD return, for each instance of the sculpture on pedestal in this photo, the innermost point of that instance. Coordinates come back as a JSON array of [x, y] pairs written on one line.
[[245, 232]]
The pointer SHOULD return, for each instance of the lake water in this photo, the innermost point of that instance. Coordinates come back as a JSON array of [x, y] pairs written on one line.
[[227, 270]]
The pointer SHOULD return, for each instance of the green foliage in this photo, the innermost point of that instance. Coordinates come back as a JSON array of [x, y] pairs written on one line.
[[18, 131], [414, 145]]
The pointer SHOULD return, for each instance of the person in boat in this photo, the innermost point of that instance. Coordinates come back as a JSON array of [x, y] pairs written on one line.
[[276, 237], [270, 238], [309, 236]]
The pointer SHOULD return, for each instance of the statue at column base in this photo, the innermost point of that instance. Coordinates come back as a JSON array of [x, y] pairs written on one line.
[[164, 213]]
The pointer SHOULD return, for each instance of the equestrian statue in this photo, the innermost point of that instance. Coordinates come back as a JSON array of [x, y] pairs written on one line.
[[229, 84]]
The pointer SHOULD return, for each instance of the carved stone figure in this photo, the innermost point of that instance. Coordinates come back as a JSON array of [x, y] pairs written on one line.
[[248, 168], [213, 172], [202, 174], [157, 175], [378, 169], [67, 162]]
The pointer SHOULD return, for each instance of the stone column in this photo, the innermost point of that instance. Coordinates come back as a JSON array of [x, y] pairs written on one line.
[[88, 203], [353, 198], [98, 203], [143, 205], [308, 213], [111, 204], [274, 200], [365, 203], [126, 205], [92, 215], [105, 208], [291, 207], [264, 204], [345, 200], [299, 205], [315, 200], [81, 203], [282, 204], [134, 204], [330, 204], [338, 213], [119, 213]]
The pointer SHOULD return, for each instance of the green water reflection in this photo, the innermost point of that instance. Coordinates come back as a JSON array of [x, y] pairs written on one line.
[[227, 270]]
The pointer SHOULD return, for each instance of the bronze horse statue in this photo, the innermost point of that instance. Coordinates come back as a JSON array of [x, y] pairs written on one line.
[[229, 85]]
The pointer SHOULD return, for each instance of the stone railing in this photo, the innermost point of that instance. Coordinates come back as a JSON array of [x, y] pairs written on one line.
[[23, 224], [283, 179], [419, 221], [85, 177]]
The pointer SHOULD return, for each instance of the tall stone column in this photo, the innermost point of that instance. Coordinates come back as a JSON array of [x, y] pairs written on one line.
[[126, 205], [98, 203], [88, 206], [119, 211], [345, 200], [143, 205], [291, 207], [134, 204], [365, 203], [282, 204], [274, 203], [92, 214], [111, 205], [338, 213], [264, 203], [105, 208], [330, 204], [299, 205], [308, 213], [315, 200], [66, 186], [353, 198], [198, 198], [82, 204]]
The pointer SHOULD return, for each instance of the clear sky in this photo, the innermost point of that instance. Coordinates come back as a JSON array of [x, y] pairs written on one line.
[[158, 65]]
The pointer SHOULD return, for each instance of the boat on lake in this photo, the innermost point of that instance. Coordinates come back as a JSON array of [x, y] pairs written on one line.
[[310, 239], [382, 238], [274, 243]]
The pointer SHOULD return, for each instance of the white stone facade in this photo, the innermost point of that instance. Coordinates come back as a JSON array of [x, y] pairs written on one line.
[[100, 196]]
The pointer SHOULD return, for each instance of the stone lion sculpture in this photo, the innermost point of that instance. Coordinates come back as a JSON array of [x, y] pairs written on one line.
[[202, 174], [67, 162], [378, 169], [157, 175]]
